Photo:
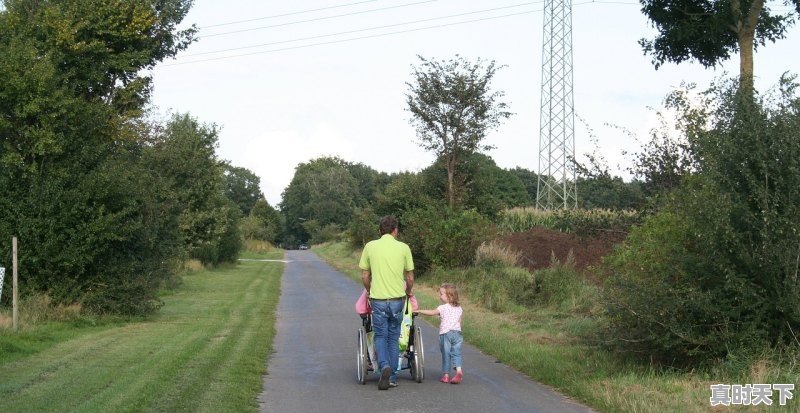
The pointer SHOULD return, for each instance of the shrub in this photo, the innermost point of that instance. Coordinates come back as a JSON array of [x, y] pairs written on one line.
[[562, 288], [440, 236], [713, 274]]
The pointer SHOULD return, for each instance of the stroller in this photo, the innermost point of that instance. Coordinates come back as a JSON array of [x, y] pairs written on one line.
[[413, 354]]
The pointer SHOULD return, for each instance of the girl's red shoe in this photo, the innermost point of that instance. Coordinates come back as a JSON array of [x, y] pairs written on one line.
[[445, 379], [457, 378]]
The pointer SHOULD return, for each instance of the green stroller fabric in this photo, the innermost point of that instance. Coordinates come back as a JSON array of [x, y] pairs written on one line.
[[405, 327]]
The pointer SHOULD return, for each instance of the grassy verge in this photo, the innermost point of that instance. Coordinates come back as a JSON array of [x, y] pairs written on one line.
[[544, 343], [205, 351]]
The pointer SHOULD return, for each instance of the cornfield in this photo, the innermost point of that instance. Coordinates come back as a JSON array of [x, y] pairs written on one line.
[[572, 220]]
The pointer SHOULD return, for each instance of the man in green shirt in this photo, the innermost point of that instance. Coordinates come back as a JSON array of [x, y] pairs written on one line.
[[387, 271]]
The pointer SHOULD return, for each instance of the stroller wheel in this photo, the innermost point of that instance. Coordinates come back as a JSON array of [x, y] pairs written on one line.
[[362, 356]]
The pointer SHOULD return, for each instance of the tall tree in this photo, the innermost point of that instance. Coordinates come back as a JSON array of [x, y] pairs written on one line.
[[710, 30], [242, 186], [185, 156], [323, 191], [93, 218], [453, 108]]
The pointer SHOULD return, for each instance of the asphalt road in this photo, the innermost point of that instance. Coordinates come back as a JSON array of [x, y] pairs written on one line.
[[313, 367]]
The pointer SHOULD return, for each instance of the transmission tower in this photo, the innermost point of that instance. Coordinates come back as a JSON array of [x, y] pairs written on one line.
[[556, 187]]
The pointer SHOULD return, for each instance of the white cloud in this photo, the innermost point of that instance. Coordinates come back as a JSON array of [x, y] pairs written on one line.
[[274, 154]]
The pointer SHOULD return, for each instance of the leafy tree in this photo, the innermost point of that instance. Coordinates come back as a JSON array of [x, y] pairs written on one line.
[[668, 158], [322, 190], [609, 192], [185, 156], [369, 182], [530, 181], [96, 224], [264, 223], [242, 186], [599, 189], [491, 188], [714, 273], [453, 108], [363, 228], [406, 191], [487, 188], [709, 31]]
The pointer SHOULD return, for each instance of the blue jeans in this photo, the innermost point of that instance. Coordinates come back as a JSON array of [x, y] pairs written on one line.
[[386, 319], [450, 346]]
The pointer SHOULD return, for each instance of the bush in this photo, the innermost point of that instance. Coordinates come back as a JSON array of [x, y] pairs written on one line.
[[443, 237], [713, 274], [562, 288]]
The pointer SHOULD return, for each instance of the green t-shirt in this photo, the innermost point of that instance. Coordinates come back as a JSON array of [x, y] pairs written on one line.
[[387, 259]]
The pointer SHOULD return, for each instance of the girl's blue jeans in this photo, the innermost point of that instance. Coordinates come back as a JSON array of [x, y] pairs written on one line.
[[450, 346]]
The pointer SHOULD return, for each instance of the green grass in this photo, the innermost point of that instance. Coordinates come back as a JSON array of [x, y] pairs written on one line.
[[545, 344], [205, 351]]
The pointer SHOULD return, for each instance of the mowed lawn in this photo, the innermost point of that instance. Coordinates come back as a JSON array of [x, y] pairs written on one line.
[[205, 351]]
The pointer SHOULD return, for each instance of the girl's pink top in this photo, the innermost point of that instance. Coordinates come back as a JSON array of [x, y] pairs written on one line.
[[450, 318]]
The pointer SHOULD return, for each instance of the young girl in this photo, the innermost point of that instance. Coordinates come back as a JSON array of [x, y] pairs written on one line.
[[450, 338]]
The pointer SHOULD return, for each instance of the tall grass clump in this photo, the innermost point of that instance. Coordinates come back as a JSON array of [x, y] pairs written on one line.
[[496, 287], [562, 288], [500, 286], [495, 253], [39, 308], [521, 219], [257, 245]]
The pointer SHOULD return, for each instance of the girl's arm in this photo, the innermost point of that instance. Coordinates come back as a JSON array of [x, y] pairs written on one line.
[[429, 312]]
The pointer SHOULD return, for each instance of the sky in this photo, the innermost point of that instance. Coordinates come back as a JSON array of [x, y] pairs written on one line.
[[288, 82]]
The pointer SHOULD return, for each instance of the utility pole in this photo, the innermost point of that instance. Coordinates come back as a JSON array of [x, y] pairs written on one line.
[[556, 187]]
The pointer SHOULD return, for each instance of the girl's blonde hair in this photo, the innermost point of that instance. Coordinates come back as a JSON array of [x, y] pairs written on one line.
[[452, 293]]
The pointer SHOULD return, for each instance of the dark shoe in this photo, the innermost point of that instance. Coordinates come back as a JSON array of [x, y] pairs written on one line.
[[383, 382]]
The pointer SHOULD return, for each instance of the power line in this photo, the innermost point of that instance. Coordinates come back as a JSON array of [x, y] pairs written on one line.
[[316, 19], [287, 14], [364, 30], [372, 36], [352, 39]]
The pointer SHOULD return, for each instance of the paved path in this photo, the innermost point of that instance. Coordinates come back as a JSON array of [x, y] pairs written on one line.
[[313, 368]]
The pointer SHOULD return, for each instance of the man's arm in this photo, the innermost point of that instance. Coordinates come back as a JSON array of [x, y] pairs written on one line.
[[409, 281], [366, 279]]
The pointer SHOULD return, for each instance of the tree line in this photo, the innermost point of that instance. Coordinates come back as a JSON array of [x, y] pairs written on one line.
[[106, 201]]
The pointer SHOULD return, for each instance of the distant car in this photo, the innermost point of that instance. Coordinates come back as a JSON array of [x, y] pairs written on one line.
[[303, 246]]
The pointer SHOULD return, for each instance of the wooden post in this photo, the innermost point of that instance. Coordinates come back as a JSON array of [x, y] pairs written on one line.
[[14, 282]]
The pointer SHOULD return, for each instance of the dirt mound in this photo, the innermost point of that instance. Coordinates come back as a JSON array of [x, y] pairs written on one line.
[[538, 244]]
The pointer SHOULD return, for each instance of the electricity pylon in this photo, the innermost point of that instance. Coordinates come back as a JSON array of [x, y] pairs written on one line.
[[556, 187]]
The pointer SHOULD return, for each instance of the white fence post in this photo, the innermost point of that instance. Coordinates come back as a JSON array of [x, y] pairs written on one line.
[[14, 282]]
